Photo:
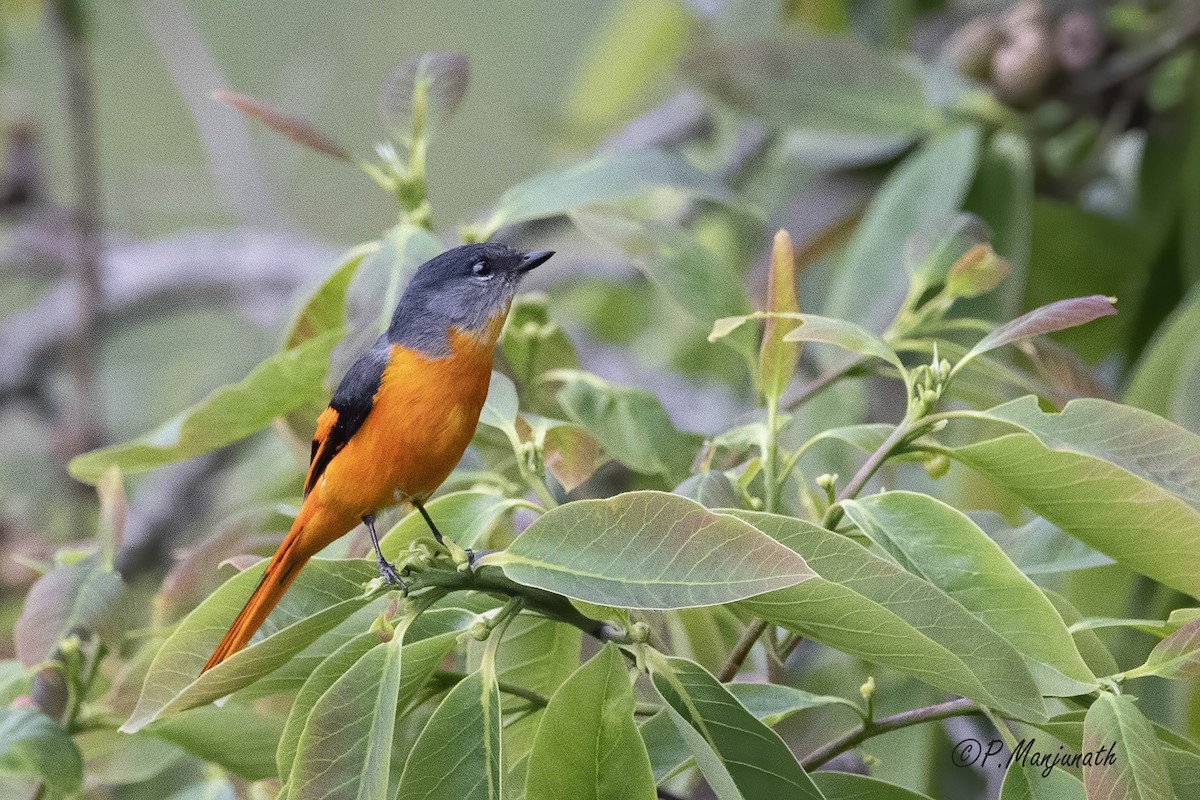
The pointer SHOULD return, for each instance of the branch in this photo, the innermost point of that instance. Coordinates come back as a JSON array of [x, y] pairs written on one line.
[[492, 580], [954, 708], [262, 270], [742, 649], [83, 423]]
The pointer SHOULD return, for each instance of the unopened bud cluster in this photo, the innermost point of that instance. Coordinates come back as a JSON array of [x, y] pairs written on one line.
[[1020, 52], [929, 380]]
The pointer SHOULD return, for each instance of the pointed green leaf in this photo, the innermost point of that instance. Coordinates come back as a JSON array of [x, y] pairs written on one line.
[[648, 550], [942, 545], [739, 755], [33, 746], [605, 179], [1166, 376], [1137, 771], [346, 747], [325, 593], [866, 606], [466, 517], [1177, 656], [278, 385], [1122, 480], [458, 752], [239, 738], [587, 745]]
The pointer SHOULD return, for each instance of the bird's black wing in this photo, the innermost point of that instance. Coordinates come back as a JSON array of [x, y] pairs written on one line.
[[347, 410]]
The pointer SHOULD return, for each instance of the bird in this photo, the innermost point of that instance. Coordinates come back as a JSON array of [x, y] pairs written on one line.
[[401, 418]]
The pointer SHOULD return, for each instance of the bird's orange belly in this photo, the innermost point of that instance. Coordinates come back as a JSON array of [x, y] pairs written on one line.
[[423, 417]]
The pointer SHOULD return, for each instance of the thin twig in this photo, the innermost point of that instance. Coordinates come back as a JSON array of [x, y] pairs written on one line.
[[742, 649], [869, 468], [954, 708], [83, 423]]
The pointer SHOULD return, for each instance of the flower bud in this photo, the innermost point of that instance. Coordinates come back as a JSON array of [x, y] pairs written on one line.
[[1023, 67], [971, 47]]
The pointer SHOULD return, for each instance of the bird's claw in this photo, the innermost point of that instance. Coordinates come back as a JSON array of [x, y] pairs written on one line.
[[390, 576]]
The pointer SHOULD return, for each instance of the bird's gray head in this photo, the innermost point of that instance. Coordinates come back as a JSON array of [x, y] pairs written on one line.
[[467, 288]]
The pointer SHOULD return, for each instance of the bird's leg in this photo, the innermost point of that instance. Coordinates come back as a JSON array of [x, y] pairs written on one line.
[[387, 570], [438, 534]]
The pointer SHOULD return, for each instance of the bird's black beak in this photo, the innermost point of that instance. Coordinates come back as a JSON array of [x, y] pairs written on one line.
[[533, 259]]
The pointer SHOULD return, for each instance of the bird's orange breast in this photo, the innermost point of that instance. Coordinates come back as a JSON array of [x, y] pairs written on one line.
[[421, 421]]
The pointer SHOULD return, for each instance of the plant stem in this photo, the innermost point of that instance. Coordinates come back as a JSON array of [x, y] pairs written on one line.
[[84, 354], [869, 468], [491, 580], [954, 708], [539, 700], [771, 458], [742, 649]]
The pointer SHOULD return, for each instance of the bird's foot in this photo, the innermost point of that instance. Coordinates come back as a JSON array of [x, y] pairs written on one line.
[[390, 575]]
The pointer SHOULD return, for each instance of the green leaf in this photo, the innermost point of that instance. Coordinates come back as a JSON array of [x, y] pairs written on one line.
[[458, 752], [813, 328], [942, 545], [769, 702], [283, 382], [1031, 783], [830, 84], [739, 755], [426, 643], [466, 517], [675, 261], [607, 178], [868, 607], [121, 759], [630, 424], [927, 187], [536, 653], [1056, 316], [424, 91], [325, 309], [325, 593], [1118, 265], [1122, 480], [79, 597], [778, 357], [32, 745], [1166, 376], [239, 738], [773, 703], [1138, 771], [1177, 656], [587, 745], [847, 786], [650, 35], [648, 550], [337, 664], [1039, 547], [345, 749], [844, 334]]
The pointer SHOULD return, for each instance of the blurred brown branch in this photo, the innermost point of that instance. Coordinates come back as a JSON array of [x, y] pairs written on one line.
[[135, 278]]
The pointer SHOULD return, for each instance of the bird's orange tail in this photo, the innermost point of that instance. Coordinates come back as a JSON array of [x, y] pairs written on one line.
[[302, 541]]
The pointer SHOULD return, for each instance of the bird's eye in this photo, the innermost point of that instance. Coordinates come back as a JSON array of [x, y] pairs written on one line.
[[481, 269]]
